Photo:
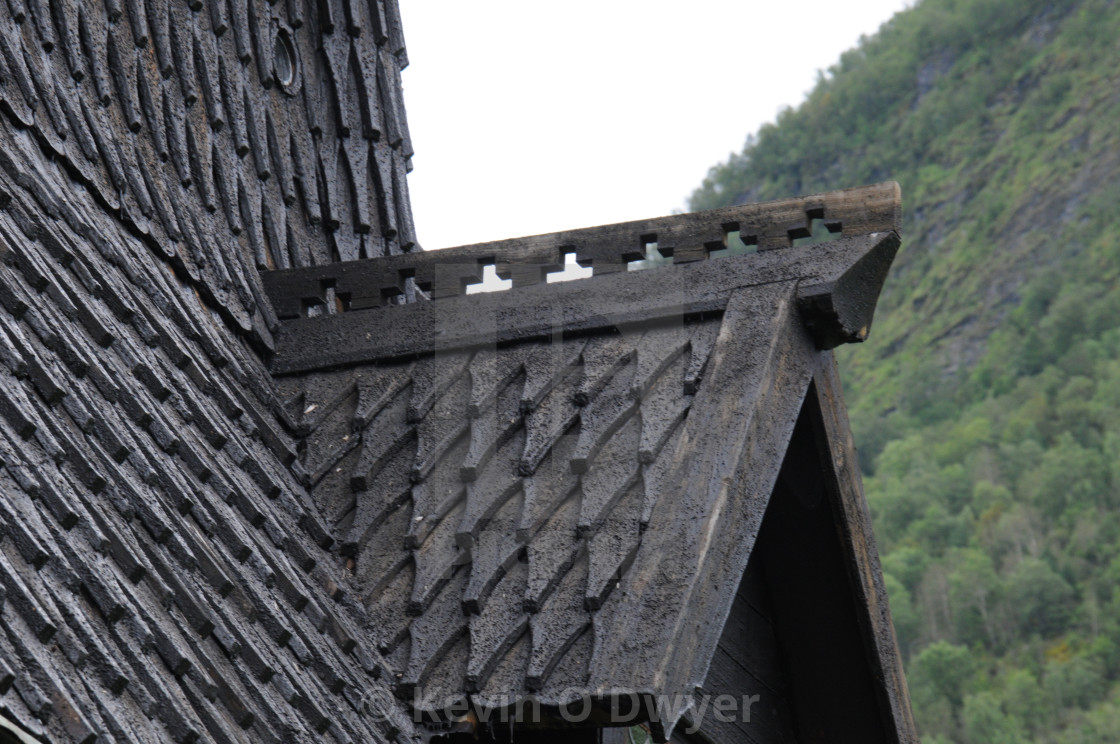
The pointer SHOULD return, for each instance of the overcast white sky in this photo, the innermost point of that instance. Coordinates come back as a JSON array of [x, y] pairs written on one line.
[[531, 116]]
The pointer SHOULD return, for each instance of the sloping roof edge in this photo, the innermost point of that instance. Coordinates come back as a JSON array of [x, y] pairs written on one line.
[[776, 310], [858, 540], [733, 445]]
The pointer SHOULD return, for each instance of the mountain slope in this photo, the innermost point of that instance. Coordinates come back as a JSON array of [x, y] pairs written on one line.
[[987, 400]]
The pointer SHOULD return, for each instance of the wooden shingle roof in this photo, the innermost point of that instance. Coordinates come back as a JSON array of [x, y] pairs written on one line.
[[268, 474], [174, 115], [163, 576], [553, 491]]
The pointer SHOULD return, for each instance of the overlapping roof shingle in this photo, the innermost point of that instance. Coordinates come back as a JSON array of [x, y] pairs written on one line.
[[162, 577], [473, 486], [172, 114], [553, 491], [537, 495]]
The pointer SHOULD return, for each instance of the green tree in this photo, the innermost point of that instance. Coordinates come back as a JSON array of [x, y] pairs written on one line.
[[974, 590], [944, 668], [1038, 599], [1024, 700], [1076, 682], [986, 723]]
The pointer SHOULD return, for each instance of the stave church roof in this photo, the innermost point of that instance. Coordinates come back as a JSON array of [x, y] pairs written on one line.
[[553, 491], [269, 471]]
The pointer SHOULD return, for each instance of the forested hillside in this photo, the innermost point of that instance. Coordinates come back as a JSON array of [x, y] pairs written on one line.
[[987, 401]]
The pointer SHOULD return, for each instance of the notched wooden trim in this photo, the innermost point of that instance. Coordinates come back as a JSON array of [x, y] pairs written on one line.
[[837, 285], [686, 238]]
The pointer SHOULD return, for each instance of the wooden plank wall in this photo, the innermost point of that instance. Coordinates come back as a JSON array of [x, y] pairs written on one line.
[[833, 690], [793, 635], [747, 662]]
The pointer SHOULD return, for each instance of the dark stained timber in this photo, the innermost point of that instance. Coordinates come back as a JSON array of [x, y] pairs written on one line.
[[178, 119], [269, 474], [607, 249], [163, 575], [577, 472], [838, 285]]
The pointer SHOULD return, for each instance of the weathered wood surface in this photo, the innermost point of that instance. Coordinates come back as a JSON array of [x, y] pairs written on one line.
[[607, 249], [580, 517], [509, 529], [747, 664], [516, 533], [172, 114], [830, 659], [699, 538], [850, 266], [585, 466], [532, 494], [163, 573], [860, 551], [832, 687]]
